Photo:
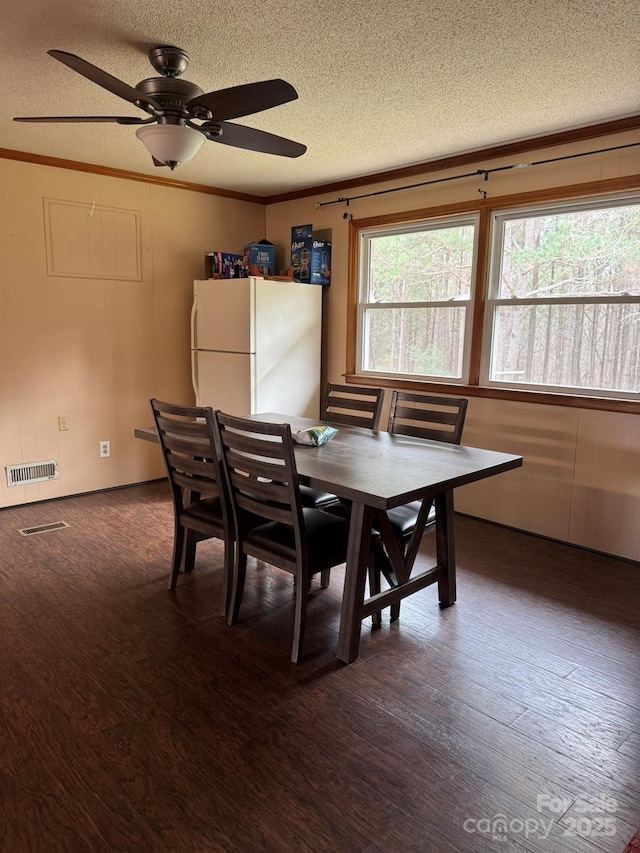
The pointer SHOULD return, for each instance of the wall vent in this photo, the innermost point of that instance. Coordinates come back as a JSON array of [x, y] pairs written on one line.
[[32, 472], [43, 528]]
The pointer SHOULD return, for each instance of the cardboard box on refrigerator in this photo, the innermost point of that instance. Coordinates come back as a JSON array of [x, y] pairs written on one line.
[[223, 265], [321, 262], [310, 255], [262, 255]]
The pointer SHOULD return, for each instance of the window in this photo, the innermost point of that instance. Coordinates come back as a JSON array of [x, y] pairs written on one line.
[[563, 311], [556, 298], [416, 290]]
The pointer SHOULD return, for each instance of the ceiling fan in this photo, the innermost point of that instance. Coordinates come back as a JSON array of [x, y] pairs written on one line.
[[181, 115]]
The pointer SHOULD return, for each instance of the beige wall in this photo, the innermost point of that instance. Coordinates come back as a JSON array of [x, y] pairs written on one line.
[[96, 349], [580, 481]]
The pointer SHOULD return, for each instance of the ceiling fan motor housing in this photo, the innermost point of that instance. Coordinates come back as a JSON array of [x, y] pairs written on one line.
[[168, 60], [172, 95]]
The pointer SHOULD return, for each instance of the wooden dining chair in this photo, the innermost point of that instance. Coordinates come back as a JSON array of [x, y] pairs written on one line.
[[260, 467], [201, 508], [345, 405], [421, 416], [427, 416], [352, 405]]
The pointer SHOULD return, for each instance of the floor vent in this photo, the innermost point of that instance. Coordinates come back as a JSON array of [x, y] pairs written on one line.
[[32, 472], [43, 528]]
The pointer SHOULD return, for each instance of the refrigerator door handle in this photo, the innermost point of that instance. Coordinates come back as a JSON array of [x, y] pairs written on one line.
[[194, 311], [194, 375]]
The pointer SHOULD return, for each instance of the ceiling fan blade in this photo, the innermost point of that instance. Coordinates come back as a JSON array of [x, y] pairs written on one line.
[[102, 78], [244, 100], [117, 119], [240, 136]]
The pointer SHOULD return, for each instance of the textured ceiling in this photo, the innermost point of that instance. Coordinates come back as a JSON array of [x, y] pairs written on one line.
[[381, 85]]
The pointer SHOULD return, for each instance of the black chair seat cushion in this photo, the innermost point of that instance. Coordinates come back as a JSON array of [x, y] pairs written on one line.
[[327, 538], [316, 499], [403, 518]]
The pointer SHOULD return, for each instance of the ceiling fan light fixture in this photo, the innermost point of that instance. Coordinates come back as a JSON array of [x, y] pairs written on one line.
[[175, 104], [171, 144]]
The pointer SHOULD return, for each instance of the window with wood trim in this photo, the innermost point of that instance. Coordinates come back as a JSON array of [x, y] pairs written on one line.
[[416, 296], [557, 299], [563, 310]]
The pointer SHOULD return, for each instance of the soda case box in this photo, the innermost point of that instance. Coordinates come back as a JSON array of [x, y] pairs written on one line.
[[223, 265], [262, 255], [310, 256]]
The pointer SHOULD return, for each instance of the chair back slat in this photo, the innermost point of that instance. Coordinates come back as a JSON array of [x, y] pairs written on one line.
[[347, 419], [362, 405], [193, 428], [203, 468], [254, 445], [203, 487], [266, 509], [185, 444], [197, 475], [266, 491], [352, 405], [427, 416], [251, 466]]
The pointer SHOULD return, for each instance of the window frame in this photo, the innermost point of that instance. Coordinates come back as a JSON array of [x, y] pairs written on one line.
[[493, 301], [363, 307], [596, 190]]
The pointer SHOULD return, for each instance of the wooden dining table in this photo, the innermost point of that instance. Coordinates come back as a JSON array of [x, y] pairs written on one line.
[[374, 472]]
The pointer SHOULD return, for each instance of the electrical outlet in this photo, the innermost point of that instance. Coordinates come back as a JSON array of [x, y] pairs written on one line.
[[63, 423], [105, 448]]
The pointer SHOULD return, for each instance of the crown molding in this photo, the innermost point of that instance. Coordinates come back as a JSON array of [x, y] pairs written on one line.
[[509, 148], [92, 168]]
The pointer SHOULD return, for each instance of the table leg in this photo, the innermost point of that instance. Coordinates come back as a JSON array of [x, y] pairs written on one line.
[[445, 548], [354, 582]]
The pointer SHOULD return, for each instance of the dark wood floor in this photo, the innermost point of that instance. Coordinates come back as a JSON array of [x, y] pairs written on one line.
[[134, 719]]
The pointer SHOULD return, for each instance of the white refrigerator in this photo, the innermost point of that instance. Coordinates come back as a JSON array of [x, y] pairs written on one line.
[[255, 346]]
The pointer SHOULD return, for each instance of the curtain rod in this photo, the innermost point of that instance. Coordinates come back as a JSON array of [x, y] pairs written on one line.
[[484, 172]]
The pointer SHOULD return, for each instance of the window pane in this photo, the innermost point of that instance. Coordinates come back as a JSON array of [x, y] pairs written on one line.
[[418, 341], [581, 346], [577, 253], [422, 266]]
